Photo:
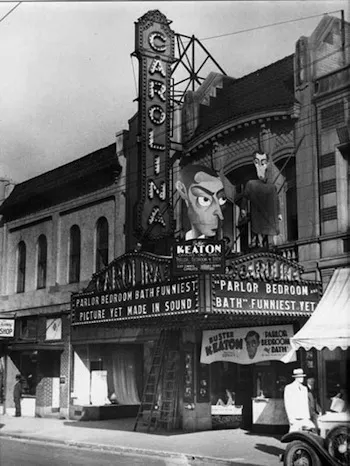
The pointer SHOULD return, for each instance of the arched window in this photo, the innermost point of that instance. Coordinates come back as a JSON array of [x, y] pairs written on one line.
[[101, 243], [74, 254], [42, 262], [21, 267]]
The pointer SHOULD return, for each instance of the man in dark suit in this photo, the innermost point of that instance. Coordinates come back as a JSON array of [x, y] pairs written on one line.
[[315, 408], [17, 395]]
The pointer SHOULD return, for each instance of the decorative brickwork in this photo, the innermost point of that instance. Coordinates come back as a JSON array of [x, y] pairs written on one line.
[[328, 186], [329, 213], [327, 160]]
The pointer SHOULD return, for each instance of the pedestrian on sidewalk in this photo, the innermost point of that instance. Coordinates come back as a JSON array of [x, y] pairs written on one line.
[[315, 408], [296, 403], [17, 395]]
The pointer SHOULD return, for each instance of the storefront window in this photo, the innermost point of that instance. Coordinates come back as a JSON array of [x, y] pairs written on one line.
[[108, 374], [28, 370], [266, 379]]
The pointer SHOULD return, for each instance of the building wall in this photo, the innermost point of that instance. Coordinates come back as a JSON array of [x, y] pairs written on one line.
[[53, 394], [322, 75], [312, 137], [55, 224]]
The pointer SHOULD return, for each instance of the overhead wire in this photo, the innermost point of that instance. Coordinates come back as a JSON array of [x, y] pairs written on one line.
[[268, 25], [9, 12], [224, 151], [243, 77], [287, 75]]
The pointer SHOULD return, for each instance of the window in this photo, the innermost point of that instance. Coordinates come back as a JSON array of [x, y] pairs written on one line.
[[101, 243], [74, 254], [332, 115], [29, 328], [21, 267], [42, 261], [292, 213], [28, 370]]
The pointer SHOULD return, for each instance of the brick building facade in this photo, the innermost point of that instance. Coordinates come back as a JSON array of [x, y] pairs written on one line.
[[57, 230]]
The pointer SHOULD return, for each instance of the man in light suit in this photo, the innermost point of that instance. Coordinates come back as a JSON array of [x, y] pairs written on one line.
[[296, 403]]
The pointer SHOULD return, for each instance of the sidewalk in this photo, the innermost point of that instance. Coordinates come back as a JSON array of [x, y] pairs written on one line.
[[216, 447]]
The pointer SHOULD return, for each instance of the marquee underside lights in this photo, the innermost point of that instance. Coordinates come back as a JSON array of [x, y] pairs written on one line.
[[155, 52]]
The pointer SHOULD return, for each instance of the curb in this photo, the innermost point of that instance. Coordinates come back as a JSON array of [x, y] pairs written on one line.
[[119, 449]]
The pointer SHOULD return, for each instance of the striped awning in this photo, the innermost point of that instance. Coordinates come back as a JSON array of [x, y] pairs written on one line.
[[329, 325]]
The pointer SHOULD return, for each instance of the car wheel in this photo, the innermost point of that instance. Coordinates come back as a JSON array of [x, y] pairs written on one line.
[[338, 444], [300, 454]]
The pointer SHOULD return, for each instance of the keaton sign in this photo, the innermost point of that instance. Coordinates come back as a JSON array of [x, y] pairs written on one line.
[[248, 345], [201, 255]]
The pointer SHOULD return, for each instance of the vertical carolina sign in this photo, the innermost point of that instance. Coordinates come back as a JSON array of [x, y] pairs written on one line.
[[154, 49]]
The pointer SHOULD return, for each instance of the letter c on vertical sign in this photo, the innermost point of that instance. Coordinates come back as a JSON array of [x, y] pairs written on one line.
[[161, 37]]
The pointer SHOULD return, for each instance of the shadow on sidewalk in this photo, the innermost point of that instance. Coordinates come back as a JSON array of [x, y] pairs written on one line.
[[264, 434], [270, 449]]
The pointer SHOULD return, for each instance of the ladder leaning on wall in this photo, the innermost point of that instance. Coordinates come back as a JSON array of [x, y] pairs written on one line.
[[158, 408]]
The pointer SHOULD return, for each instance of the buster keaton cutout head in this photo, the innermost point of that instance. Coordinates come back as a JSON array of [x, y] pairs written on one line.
[[252, 340], [261, 162], [203, 192]]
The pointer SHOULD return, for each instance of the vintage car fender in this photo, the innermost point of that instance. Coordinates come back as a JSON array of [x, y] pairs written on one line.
[[314, 441]]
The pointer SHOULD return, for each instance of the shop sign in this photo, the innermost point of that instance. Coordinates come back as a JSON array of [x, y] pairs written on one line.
[[154, 48], [7, 328], [248, 345], [229, 294], [173, 298], [201, 255], [264, 266]]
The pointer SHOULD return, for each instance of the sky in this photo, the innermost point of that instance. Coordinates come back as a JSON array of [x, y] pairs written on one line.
[[67, 79]]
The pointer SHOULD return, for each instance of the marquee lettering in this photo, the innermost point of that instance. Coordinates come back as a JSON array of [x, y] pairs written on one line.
[[157, 88], [153, 188], [157, 114], [157, 67], [156, 217], [155, 50], [152, 144], [156, 164], [152, 41]]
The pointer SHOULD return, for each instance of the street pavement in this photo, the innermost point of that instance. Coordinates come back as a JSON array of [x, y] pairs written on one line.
[[216, 447]]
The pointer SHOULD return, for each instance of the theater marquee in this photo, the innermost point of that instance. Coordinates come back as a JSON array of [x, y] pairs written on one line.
[[180, 297], [154, 48], [256, 295]]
